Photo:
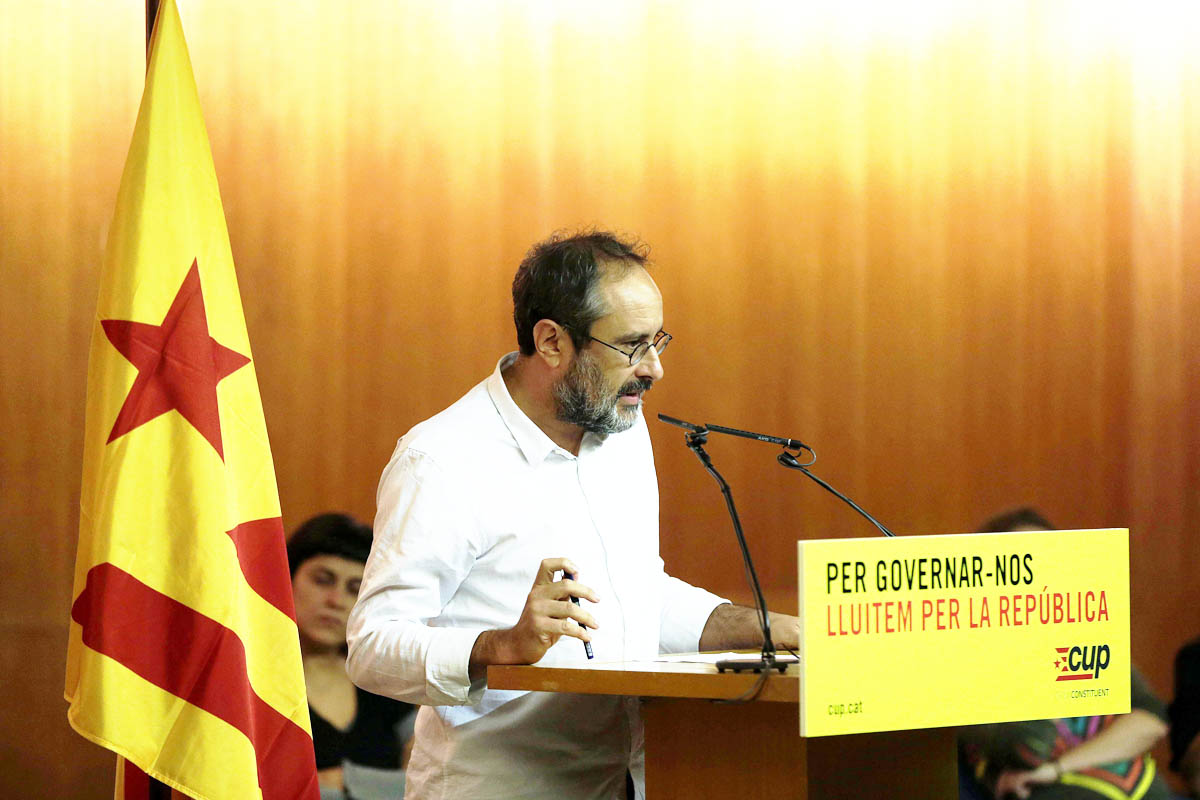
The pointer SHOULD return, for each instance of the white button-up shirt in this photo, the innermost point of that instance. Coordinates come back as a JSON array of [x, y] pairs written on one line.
[[471, 502]]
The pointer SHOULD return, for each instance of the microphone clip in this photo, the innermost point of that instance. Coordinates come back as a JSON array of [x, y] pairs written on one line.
[[696, 436]]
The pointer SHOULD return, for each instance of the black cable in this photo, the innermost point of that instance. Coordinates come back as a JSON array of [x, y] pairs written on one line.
[[790, 461], [751, 693], [791, 448]]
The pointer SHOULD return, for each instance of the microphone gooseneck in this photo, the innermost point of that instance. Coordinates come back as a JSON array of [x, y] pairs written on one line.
[[696, 438], [789, 460]]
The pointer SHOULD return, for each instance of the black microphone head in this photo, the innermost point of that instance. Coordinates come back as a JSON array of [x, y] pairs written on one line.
[[678, 423]]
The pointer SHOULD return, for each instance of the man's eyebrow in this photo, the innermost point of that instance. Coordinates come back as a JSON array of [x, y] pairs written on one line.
[[638, 336]]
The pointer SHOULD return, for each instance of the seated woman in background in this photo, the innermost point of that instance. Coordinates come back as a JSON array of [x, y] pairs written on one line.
[[358, 736], [1080, 758]]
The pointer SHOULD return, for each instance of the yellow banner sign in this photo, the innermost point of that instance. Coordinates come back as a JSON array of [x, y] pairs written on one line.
[[933, 631]]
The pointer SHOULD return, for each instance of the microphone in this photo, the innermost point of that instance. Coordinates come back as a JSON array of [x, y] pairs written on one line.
[[678, 423], [790, 444], [790, 461]]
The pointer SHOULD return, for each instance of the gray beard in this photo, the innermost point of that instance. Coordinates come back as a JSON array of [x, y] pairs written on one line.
[[584, 399]]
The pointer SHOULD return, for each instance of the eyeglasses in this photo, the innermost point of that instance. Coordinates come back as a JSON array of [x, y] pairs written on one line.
[[660, 342]]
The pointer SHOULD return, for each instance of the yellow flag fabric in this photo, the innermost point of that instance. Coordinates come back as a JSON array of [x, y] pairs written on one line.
[[183, 655]]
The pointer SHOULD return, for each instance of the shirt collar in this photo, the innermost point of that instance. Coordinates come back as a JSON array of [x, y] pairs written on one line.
[[533, 441]]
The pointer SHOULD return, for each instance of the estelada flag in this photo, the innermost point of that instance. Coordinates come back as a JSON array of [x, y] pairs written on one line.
[[184, 656]]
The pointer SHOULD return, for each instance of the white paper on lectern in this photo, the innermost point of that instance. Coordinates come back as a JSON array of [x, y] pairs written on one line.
[[698, 658]]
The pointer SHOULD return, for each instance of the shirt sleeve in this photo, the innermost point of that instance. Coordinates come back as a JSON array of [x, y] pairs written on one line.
[[685, 610], [425, 544]]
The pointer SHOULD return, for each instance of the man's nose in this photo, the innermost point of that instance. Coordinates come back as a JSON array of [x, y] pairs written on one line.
[[650, 366]]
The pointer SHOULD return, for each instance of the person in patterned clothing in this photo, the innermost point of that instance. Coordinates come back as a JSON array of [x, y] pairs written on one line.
[[1080, 758]]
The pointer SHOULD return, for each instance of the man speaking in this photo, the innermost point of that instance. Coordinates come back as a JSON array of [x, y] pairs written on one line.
[[538, 486]]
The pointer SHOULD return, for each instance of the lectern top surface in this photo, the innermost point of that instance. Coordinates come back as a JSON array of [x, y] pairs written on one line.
[[646, 679]]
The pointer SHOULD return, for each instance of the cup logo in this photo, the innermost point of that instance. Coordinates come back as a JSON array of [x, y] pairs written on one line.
[[1081, 662]]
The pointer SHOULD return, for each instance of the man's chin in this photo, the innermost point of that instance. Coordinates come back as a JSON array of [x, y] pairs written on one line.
[[628, 415]]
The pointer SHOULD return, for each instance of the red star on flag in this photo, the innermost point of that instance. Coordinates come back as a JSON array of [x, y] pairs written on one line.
[[179, 365]]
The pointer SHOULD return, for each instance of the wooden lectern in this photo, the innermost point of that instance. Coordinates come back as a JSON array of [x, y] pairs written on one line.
[[916, 633], [698, 748]]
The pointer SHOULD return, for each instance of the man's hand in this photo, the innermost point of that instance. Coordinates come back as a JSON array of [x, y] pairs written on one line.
[[731, 627], [1017, 782], [785, 630], [548, 615]]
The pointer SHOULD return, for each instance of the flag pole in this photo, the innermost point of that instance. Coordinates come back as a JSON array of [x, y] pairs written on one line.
[[151, 15], [155, 789]]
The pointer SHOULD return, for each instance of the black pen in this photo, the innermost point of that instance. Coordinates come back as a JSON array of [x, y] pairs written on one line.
[[587, 646]]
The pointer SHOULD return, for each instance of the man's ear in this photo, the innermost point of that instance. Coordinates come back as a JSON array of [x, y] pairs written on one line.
[[552, 343]]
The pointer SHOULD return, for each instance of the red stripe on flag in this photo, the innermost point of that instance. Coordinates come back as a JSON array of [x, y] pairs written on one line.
[[199, 660], [1073, 678], [263, 558]]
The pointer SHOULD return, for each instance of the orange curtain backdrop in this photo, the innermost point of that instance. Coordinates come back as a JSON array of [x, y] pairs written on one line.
[[183, 655], [947, 244]]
